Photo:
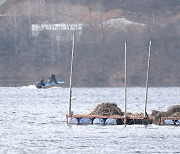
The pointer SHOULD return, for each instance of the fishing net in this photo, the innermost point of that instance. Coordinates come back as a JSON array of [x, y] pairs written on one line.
[[173, 111], [107, 109]]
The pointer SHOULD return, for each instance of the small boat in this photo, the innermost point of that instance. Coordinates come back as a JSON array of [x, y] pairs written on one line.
[[49, 85]]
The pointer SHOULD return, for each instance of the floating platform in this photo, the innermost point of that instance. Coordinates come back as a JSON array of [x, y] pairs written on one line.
[[120, 120], [110, 120]]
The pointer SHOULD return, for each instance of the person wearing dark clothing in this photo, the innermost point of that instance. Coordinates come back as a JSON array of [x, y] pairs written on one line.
[[49, 80], [53, 78], [38, 85], [42, 82]]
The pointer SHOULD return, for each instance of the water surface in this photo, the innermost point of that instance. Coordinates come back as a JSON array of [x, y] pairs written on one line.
[[33, 121]]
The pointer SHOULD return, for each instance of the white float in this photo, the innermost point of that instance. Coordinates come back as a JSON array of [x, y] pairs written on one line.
[[85, 121], [177, 122], [72, 121], [110, 121], [169, 122], [98, 121]]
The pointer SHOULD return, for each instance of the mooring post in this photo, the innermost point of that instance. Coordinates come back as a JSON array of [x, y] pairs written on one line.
[[70, 80], [147, 79], [125, 82]]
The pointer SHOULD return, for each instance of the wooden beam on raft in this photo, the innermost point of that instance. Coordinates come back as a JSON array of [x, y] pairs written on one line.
[[94, 116], [170, 118]]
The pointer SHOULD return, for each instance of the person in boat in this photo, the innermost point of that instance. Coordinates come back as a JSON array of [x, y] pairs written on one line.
[[49, 80], [42, 82], [38, 85], [53, 79]]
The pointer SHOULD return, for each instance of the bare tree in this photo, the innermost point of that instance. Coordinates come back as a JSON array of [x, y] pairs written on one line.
[[28, 11]]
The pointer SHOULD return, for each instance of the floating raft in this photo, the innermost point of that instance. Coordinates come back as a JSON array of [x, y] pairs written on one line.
[[111, 114], [119, 120], [112, 119]]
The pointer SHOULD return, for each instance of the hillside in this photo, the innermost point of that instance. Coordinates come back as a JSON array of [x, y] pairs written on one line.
[[36, 40]]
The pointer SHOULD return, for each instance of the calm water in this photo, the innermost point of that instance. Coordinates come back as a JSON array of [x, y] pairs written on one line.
[[33, 121]]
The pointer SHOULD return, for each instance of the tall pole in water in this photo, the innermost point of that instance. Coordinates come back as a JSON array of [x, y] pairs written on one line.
[[70, 80], [147, 79], [125, 82]]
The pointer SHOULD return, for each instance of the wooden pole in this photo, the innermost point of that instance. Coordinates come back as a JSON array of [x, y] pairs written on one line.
[[125, 82], [70, 81], [147, 79]]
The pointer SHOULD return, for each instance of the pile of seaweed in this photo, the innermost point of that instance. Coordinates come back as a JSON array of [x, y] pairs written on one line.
[[111, 109], [172, 111], [135, 114], [107, 109]]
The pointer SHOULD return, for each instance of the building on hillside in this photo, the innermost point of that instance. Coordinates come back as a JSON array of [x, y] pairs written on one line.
[[61, 31]]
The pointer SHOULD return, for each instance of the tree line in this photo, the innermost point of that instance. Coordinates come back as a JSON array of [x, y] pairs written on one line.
[[99, 53]]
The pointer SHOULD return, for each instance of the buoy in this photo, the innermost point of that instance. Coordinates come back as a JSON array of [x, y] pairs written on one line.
[[169, 122], [177, 122], [85, 121], [72, 121], [98, 121], [110, 121]]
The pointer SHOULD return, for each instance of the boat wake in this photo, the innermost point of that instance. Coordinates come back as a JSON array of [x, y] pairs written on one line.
[[30, 87]]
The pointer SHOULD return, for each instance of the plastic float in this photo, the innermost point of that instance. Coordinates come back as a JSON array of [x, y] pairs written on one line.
[[99, 121], [110, 121], [177, 122], [73, 120], [85, 121], [170, 121]]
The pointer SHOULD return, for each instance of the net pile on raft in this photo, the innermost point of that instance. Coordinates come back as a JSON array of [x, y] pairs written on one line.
[[108, 109], [173, 111]]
